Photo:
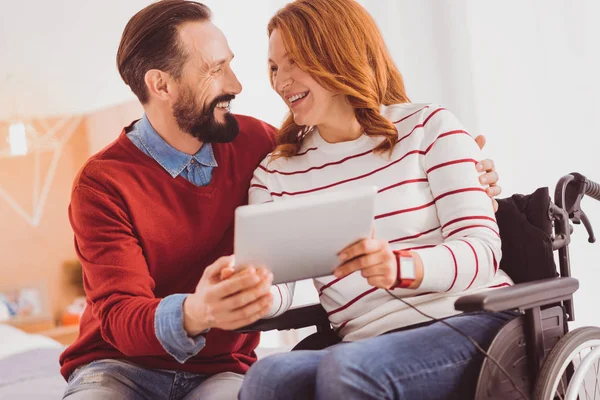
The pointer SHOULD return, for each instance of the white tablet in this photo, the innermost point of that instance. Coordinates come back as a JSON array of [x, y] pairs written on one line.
[[299, 238]]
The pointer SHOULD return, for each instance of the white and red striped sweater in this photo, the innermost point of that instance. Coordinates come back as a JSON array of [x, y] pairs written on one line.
[[429, 201]]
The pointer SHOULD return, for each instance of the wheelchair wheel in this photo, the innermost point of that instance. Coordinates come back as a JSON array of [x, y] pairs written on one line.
[[572, 369]]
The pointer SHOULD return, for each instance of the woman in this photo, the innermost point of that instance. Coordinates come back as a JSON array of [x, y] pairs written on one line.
[[436, 238]]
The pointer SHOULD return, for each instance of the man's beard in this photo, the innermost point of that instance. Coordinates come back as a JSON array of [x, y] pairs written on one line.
[[201, 123]]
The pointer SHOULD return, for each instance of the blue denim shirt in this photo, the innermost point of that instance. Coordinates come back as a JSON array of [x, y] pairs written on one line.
[[197, 168], [168, 319]]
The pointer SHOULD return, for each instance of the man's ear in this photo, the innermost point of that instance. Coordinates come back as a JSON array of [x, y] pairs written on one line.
[[157, 83]]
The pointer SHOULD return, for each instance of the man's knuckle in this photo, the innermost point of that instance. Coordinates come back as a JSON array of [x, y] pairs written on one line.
[[246, 281], [255, 295], [247, 312], [255, 309], [238, 302]]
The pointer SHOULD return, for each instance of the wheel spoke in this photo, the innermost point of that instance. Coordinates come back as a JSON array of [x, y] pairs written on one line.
[[596, 367], [562, 384], [587, 396]]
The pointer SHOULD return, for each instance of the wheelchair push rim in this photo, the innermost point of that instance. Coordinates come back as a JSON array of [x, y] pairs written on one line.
[[580, 349]]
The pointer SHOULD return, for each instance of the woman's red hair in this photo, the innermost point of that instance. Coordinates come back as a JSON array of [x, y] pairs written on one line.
[[338, 43]]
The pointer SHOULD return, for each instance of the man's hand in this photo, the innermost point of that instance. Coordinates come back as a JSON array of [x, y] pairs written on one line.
[[490, 177], [228, 304]]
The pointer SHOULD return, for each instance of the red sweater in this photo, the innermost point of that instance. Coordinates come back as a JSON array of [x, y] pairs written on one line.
[[142, 235]]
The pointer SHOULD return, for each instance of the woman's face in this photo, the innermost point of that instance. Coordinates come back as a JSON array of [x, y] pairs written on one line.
[[309, 102]]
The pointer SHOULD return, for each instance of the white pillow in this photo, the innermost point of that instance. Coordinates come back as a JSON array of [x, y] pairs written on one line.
[[13, 341]]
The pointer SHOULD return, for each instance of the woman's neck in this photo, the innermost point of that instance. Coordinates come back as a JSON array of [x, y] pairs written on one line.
[[340, 129]]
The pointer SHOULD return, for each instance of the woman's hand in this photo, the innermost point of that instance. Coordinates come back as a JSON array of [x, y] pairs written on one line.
[[377, 263], [490, 176]]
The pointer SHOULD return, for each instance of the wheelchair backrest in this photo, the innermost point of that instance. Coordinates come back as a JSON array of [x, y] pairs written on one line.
[[526, 233]]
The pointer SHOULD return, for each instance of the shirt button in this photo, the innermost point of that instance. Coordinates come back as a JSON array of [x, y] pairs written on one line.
[[192, 161]]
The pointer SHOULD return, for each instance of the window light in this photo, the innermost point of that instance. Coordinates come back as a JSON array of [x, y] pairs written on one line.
[[17, 139]]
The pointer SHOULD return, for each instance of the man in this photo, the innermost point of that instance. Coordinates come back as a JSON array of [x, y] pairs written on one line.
[[153, 220]]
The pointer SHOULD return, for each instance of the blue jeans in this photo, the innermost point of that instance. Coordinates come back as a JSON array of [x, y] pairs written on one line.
[[430, 362], [117, 379]]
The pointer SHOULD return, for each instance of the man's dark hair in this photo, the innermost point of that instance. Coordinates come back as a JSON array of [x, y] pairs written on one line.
[[151, 41]]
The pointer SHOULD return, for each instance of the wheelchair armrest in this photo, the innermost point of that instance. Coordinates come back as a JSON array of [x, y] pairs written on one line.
[[294, 318], [522, 296]]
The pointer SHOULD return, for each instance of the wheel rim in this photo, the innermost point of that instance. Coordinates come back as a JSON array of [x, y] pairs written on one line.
[[581, 373], [578, 359]]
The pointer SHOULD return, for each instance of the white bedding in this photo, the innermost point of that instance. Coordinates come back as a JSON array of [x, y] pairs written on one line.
[[29, 368], [14, 341]]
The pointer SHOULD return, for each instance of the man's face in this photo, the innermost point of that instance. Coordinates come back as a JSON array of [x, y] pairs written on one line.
[[207, 85]]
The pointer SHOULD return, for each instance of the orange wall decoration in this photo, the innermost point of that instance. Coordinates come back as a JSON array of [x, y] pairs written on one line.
[[36, 254]]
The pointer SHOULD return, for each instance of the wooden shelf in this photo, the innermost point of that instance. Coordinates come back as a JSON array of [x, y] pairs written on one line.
[[31, 324], [63, 334]]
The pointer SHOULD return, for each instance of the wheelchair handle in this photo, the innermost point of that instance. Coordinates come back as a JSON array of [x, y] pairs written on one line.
[[592, 189], [568, 195]]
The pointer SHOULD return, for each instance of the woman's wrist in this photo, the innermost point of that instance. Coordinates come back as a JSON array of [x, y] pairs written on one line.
[[418, 270]]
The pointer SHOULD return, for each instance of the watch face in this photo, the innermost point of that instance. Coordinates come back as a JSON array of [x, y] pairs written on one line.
[[407, 268]]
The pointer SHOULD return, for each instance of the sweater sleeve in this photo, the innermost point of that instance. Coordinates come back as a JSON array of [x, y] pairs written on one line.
[[259, 193], [169, 329], [115, 274], [469, 256]]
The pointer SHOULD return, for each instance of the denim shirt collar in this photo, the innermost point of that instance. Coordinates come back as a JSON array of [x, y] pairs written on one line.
[[171, 159]]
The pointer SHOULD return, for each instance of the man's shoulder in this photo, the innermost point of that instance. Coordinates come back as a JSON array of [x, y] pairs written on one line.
[[107, 164]]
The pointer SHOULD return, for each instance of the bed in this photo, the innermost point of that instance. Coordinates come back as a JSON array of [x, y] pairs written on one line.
[[29, 367]]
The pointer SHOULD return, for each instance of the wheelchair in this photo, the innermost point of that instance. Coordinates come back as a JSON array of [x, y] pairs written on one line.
[[534, 355]]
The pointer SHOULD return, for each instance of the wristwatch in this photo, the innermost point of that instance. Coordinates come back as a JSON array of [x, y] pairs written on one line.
[[406, 269]]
